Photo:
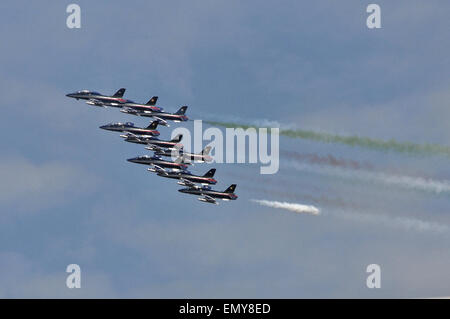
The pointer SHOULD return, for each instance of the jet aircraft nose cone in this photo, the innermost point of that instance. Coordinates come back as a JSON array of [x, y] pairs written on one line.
[[103, 127], [132, 159], [69, 95]]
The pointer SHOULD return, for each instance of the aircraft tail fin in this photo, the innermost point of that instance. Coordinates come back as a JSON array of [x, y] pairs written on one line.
[[152, 101], [182, 110], [230, 189], [153, 125], [210, 173], [206, 150], [177, 138], [119, 93]]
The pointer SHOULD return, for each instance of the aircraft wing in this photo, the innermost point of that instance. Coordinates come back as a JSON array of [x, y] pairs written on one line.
[[208, 199], [154, 148], [140, 110], [160, 170], [157, 169], [139, 136], [161, 121], [129, 110], [95, 102], [185, 182], [181, 159], [129, 134]]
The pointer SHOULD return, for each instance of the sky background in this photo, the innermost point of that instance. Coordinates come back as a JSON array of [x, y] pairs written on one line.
[[68, 195]]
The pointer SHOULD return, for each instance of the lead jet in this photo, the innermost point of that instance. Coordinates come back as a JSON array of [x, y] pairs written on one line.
[[209, 195], [188, 179], [157, 163], [201, 157], [162, 117], [155, 144], [132, 130], [98, 99]]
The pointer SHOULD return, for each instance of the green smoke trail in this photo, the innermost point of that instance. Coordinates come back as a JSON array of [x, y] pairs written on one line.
[[390, 145]]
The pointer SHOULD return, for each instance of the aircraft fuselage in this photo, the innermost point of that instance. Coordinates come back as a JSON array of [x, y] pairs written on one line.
[[189, 177], [151, 141], [130, 129], [161, 115], [147, 160], [187, 156], [142, 108], [106, 100], [209, 192]]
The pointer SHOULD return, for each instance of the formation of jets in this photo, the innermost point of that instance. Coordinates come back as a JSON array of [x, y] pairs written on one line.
[[126, 106], [198, 185]]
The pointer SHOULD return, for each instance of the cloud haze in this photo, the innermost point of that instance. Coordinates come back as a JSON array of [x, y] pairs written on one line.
[[67, 194]]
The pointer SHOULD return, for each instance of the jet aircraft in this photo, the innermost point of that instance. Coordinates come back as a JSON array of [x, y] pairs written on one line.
[[116, 100], [209, 195], [188, 179], [163, 117], [203, 156], [155, 144], [130, 107], [157, 162], [98, 99], [132, 130]]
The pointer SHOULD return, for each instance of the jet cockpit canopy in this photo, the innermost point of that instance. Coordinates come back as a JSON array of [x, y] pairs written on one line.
[[88, 92]]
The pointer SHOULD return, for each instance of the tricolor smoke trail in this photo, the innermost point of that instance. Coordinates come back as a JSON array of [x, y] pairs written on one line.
[[293, 207], [407, 182], [355, 141], [328, 160]]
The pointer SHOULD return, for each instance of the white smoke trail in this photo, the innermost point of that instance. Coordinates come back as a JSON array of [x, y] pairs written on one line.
[[293, 207], [408, 182], [405, 223]]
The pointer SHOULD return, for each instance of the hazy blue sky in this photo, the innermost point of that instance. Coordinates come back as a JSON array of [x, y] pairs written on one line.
[[67, 194]]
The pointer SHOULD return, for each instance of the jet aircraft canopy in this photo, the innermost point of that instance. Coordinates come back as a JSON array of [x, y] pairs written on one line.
[[89, 92], [127, 124]]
